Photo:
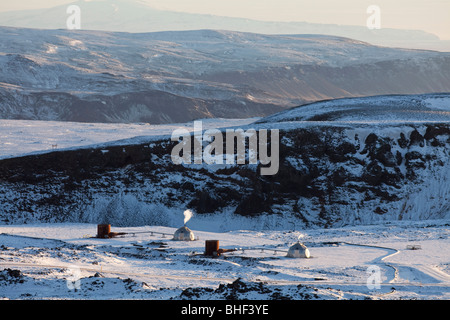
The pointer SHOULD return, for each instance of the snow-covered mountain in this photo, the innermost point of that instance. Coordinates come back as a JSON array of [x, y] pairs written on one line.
[[378, 109], [167, 77], [333, 171], [135, 16]]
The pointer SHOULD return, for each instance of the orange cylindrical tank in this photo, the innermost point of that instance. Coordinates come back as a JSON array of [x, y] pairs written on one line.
[[211, 248]]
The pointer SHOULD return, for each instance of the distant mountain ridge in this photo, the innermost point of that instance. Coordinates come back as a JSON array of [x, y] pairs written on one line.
[[178, 76], [133, 16]]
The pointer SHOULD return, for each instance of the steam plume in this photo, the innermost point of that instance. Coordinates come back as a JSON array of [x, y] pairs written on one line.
[[188, 214]]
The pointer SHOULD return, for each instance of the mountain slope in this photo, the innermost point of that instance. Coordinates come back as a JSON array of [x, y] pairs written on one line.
[[393, 108], [167, 77]]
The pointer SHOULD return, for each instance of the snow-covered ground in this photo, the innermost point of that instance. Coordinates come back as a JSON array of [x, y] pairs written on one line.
[[66, 261], [378, 109], [22, 137]]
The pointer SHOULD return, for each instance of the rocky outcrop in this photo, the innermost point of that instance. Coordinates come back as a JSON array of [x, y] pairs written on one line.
[[329, 175]]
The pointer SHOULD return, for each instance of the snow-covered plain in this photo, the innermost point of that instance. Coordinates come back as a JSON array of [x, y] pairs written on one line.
[[22, 137], [66, 261]]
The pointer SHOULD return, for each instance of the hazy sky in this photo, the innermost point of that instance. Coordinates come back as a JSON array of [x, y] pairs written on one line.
[[428, 15]]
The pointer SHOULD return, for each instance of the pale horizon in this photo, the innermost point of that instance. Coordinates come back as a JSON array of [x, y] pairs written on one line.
[[429, 16]]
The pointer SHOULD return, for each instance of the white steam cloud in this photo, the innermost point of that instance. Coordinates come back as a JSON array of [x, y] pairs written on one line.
[[188, 214]]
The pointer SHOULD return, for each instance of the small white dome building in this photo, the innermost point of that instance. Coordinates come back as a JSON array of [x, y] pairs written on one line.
[[184, 234], [298, 250]]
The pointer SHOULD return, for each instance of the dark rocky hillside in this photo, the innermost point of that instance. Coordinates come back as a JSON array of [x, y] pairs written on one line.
[[329, 175]]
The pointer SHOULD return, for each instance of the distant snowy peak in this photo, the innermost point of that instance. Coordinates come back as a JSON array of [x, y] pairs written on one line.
[[186, 54], [178, 76], [137, 16], [426, 107], [195, 49]]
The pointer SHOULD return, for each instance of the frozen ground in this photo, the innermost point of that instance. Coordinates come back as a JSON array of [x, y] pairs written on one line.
[[66, 261], [21, 137], [375, 110]]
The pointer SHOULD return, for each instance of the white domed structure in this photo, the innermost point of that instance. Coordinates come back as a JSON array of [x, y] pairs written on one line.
[[298, 250], [184, 234]]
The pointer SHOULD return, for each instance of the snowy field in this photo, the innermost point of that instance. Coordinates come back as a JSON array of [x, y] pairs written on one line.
[[22, 137], [67, 261]]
